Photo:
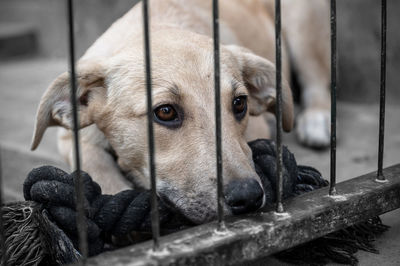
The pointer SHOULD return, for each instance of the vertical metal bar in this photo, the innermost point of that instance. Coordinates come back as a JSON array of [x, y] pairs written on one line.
[[78, 182], [155, 222], [3, 259], [278, 59], [332, 190], [380, 175], [217, 90]]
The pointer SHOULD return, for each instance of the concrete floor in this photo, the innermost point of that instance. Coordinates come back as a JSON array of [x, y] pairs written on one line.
[[24, 81]]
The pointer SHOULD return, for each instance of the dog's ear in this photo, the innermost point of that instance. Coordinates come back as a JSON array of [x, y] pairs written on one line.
[[55, 108], [259, 76]]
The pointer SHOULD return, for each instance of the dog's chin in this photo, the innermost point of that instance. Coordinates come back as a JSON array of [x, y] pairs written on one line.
[[195, 211], [199, 217]]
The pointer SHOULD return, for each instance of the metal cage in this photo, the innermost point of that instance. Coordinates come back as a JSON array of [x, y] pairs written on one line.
[[231, 240]]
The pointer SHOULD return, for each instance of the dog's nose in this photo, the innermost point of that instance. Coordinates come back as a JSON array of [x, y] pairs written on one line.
[[244, 196]]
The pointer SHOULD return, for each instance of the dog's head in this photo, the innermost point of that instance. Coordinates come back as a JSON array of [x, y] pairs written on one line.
[[112, 95]]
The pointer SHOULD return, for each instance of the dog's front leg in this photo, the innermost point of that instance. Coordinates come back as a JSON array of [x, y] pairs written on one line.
[[96, 161], [102, 167], [306, 27]]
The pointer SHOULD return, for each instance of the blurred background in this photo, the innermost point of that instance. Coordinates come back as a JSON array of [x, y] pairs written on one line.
[[33, 51]]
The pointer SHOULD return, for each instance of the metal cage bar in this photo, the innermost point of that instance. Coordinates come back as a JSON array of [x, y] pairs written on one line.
[[380, 175], [3, 249], [155, 222], [78, 182], [217, 99], [278, 59], [332, 190]]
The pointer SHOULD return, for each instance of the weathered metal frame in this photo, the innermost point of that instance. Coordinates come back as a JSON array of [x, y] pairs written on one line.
[[251, 237]]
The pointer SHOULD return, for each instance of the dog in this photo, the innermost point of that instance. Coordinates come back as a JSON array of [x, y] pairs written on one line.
[[112, 98]]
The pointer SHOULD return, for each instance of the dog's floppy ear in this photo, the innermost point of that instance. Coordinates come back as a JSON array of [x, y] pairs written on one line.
[[55, 108], [259, 76]]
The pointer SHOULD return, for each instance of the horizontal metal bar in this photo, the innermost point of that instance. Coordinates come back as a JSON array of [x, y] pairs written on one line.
[[252, 237]]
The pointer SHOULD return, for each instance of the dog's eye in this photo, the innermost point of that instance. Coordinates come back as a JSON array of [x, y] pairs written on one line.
[[239, 106], [167, 115]]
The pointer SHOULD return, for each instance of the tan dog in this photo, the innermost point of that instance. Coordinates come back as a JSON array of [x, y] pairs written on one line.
[[112, 107]]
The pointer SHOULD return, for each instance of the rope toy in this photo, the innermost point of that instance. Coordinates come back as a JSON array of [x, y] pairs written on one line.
[[43, 229]]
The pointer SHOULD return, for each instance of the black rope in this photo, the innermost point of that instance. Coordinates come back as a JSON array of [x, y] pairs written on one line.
[[339, 246]]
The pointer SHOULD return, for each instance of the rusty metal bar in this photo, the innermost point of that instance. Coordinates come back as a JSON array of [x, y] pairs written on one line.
[[155, 222], [332, 190], [3, 252], [380, 175], [217, 89], [253, 237], [278, 59], [78, 182]]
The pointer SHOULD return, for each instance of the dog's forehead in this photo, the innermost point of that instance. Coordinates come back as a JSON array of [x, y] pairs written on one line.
[[180, 52], [182, 64], [188, 63]]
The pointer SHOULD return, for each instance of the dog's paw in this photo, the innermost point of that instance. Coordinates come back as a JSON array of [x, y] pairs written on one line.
[[313, 128]]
